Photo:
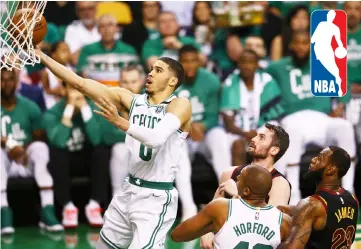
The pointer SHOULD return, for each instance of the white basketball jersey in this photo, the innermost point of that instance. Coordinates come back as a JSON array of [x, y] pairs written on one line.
[[153, 164], [249, 227]]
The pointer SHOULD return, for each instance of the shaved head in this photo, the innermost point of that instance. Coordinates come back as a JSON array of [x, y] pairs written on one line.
[[254, 181]]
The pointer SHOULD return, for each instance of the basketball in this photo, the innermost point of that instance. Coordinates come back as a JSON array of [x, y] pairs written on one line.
[[340, 52], [19, 30]]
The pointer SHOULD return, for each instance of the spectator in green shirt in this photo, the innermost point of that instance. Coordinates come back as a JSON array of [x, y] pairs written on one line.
[[102, 60], [168, 43], [74, 137]]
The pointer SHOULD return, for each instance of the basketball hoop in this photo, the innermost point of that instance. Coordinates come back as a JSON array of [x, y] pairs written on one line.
[[16, 44]]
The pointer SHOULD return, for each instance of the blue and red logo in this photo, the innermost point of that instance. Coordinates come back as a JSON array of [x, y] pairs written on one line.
[[328, 53]]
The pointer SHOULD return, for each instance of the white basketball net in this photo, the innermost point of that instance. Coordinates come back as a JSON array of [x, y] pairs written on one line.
[[16, 47]]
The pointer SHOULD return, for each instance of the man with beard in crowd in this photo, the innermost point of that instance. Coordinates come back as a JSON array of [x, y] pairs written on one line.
[[308, 119]]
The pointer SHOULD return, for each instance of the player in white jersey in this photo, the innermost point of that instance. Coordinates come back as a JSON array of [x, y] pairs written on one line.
[[156, 124], [245, 222]]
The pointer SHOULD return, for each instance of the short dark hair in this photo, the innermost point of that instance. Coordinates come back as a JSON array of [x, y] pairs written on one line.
[[175, 67], [133, 67], [299, 32], [281, 139], [187, 49], [55, 46], [341, 159], [250, 51]]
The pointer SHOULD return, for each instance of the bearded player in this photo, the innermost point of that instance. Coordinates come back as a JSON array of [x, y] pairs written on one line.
[[328, 218], [266, 148], [157, 124]]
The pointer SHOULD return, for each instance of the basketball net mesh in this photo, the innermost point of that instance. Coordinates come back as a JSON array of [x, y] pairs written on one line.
[[16, 47]]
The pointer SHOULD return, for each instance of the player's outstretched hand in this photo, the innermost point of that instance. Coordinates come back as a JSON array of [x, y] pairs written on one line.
[[207, 241], [108, 111]]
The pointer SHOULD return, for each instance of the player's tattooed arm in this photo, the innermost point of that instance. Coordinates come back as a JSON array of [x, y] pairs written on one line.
[[308, 210], [285, 227], [202, 223], [88, 87]]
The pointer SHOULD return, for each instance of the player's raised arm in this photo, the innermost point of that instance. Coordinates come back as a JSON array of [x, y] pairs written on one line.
[[91, 88], [308, 211]]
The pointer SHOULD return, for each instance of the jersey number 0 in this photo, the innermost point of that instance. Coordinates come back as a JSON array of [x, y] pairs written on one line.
[[145, 153]]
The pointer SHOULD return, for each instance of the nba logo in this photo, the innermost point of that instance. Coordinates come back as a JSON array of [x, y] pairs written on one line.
[[328, 53]]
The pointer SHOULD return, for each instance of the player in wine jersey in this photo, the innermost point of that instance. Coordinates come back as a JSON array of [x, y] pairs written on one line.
[[328, 218], [245, 222], [141, 214], [265, 149]]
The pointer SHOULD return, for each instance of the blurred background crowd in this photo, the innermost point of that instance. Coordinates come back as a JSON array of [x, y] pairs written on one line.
[[246, 63]]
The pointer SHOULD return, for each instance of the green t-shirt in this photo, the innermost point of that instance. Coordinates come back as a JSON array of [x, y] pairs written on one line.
[[20, 122], [154, 47], [73, 138], [295, 87], [104, 65], [203, 94], [354, 57], [253, 108]]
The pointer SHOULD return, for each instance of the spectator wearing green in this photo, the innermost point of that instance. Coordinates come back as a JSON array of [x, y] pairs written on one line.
[[24, 152], [353, 11], [75, 137], [202, 88], [250, 98], [168, 43], [308, 119], [103, 60]]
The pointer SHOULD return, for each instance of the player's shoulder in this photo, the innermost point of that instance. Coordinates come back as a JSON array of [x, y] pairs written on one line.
[[313, 205], [228, 173], [280, 180], [180, 102]]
